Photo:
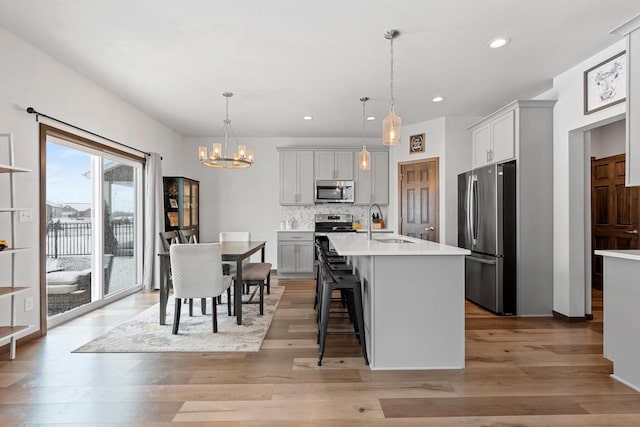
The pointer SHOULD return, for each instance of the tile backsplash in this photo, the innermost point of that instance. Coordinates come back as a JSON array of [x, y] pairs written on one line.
[[303, 216]]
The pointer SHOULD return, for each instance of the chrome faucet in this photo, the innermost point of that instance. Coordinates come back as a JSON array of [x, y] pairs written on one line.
[[369, 233]]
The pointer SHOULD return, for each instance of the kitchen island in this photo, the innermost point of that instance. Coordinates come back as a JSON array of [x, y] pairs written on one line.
[[621, 302], [413, 299]]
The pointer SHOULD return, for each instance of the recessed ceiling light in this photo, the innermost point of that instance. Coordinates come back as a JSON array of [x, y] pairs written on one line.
[[499, 42], [438, 99], [370, 118], [308, 118]]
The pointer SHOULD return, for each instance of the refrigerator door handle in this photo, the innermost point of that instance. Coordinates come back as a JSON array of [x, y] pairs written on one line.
[[468, 210], [481, 260], [473, 211]]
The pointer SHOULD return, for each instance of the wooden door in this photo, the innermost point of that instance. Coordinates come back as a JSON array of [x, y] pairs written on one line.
[[419, 199], [615, 213]]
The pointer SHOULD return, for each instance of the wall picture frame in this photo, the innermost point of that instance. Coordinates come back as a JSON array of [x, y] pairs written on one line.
[[416, 143], [605, 84], [173, 203]]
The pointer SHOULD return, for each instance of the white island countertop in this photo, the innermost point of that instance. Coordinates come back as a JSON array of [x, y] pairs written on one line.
[[632, 254], [349, 245]]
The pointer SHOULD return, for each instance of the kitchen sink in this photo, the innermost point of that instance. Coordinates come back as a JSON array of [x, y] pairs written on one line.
[[393, 241]]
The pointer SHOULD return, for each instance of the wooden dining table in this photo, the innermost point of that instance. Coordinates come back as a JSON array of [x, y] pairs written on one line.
[[231, 251]]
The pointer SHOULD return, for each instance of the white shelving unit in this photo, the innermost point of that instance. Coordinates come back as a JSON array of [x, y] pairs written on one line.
[[10, 333]]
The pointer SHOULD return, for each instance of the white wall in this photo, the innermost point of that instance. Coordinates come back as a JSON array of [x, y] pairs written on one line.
[[29, 78], [569, 150], [458, 160], [608, 140], [249, 199], [434, 134], [450, 140]]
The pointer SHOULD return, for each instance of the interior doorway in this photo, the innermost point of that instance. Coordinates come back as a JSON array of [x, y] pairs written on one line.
[[615, 211], [419, 199]]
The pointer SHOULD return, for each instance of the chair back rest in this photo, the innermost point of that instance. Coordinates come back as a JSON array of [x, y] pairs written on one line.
[[235, 236], [197, 270], [188, 236], [323, 263], [167, 238]]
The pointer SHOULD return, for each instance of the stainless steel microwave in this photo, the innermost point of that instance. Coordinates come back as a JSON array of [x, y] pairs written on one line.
[[334, 191]]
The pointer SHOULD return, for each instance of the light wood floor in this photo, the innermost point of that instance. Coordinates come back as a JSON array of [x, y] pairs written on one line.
[[520, 372]]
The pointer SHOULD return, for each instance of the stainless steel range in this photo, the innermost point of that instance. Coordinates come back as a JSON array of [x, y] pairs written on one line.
[[332, 223]]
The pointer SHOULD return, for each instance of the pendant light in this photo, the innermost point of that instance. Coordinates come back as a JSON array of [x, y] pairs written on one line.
[[219, 158], [392, 124], [364, 158]]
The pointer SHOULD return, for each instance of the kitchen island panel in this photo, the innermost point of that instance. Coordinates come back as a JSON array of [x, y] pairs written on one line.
[[414, 311]]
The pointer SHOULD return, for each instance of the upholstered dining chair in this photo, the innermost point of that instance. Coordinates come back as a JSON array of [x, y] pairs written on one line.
[[197, 273], [253, 273]]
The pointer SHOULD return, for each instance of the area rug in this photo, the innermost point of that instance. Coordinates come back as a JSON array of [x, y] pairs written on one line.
[[143, 333]]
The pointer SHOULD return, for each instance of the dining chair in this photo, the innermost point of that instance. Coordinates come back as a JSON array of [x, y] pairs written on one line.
[[167, 238], [197, 273], [253, 273], [234, 236], [188, 236]]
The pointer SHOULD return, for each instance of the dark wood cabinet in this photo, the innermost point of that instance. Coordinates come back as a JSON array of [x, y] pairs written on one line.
[[181, 204]]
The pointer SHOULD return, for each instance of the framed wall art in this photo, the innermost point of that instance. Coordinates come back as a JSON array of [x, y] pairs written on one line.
[[416, 143], [605, 84]]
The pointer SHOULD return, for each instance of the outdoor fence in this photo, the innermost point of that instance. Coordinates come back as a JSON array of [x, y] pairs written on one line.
[[74, 238]]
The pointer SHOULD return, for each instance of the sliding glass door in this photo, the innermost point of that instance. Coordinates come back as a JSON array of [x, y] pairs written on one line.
[[93, 226]]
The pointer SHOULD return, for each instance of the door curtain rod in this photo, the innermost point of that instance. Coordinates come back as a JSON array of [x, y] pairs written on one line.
[[32, 110]]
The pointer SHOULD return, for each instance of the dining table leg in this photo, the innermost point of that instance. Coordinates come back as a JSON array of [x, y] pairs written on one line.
[[237, 294], [164, 288]]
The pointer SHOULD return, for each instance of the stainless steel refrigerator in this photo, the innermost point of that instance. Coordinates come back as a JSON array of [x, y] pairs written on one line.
[[487, 227]]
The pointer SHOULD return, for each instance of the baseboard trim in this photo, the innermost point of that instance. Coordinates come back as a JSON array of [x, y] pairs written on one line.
[[568, 319]]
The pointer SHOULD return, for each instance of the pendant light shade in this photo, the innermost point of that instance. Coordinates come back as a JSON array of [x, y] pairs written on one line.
[[218, 157], [391, 129], [364, 158], [392, 124]]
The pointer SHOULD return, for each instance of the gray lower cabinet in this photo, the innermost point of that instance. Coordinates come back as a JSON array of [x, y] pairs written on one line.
[[295, 252], [372, 186]]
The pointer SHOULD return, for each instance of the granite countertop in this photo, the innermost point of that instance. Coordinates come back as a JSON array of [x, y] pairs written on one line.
[[348, 244], [632, 254]]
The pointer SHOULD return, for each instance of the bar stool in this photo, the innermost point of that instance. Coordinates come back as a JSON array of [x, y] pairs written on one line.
[[349, 285], [336, 262]]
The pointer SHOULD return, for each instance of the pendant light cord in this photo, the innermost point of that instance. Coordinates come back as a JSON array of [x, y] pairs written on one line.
[[391, 102], [364, 119]]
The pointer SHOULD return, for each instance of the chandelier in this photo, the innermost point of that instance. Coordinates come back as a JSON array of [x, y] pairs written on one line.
[[392, 124], [364, 158], [218, 157]]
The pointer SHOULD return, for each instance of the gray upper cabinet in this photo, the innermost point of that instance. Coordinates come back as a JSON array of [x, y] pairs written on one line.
[[296, 177], [372, 186], [631, 29], [494, 141], [334, 165]]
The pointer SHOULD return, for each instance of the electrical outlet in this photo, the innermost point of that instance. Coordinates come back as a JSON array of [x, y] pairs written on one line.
[[26, 216], [28, 304]]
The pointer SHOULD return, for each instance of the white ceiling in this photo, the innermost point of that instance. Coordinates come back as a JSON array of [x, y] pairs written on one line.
[[284, 59]]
